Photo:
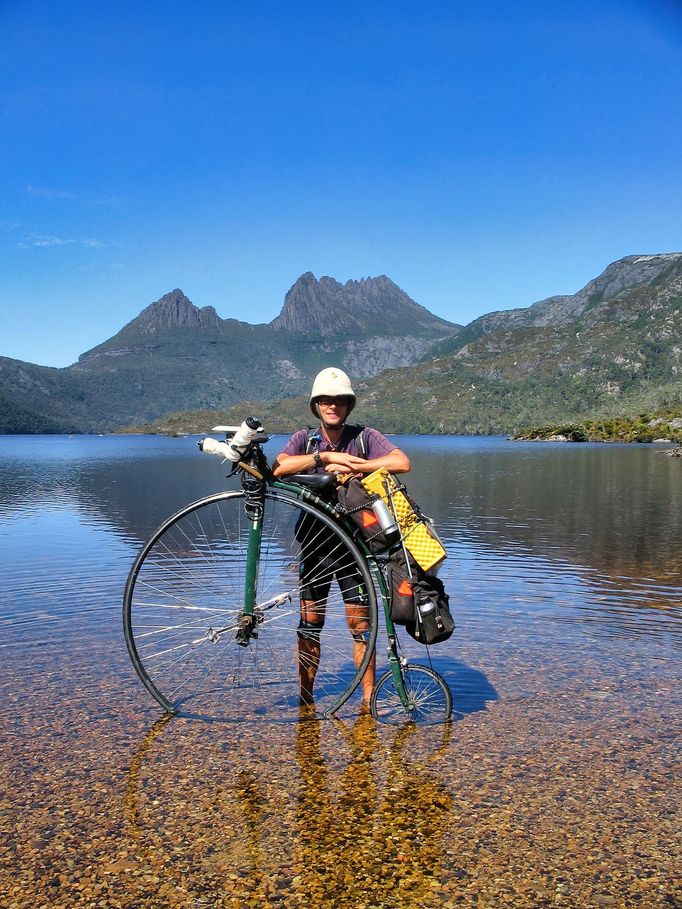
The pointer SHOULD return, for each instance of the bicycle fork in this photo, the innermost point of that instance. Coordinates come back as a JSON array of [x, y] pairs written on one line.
[[254, 505], [397, 664], [249, 619]]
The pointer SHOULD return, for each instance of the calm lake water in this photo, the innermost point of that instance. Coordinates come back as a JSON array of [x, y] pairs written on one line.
[[554, 785]]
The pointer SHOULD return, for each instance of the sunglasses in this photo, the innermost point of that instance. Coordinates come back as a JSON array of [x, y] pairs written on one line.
[[340, 400]]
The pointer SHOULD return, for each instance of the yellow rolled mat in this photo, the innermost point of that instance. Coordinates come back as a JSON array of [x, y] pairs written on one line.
[[422, 545]]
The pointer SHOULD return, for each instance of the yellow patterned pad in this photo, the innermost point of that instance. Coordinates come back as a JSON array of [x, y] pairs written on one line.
[[426, 550]]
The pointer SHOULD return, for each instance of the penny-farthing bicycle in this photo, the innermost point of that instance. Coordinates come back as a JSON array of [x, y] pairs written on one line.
[[212, 607]]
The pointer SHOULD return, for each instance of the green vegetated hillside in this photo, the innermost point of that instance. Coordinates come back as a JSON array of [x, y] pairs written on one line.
[[16, 419], [612, 349], [38, 399], [615, 350], [645, 427], [285, 416]]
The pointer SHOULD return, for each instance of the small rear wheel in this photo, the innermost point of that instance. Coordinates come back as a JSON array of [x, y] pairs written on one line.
[[428, 695]]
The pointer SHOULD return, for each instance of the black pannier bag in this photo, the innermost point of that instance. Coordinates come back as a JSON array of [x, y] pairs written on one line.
[[401, 589], [358, 503], [433, 620], [419, 602]]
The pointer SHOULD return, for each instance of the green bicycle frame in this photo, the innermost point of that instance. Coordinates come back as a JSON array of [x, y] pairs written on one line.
[[256, 536], [252, 559], [253, 555]]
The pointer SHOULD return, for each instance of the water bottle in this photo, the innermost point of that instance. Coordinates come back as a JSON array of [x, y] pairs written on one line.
[[242, 438], [425, 605], [386, 521]]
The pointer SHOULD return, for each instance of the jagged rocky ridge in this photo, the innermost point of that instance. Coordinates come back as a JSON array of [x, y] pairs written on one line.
[[619, 277], [356, 308]]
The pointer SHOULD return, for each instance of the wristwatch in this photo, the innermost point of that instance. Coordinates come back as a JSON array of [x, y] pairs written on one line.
[[317, 458]]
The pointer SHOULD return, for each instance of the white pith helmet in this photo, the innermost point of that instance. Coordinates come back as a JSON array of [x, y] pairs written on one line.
[[332, 383]]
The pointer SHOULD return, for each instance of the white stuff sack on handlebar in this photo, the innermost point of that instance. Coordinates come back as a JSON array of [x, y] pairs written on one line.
[[235, 448], [212, 446]]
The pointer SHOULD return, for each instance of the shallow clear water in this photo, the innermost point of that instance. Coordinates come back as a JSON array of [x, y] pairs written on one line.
[[565, 574]]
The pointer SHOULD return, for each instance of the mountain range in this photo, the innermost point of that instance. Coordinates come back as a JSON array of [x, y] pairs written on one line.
[[175, 356], [612, 347]]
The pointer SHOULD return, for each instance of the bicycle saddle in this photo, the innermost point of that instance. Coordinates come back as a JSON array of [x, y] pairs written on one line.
[[314, 481]]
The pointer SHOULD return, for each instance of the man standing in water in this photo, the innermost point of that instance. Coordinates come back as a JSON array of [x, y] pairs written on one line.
[[344, 449]]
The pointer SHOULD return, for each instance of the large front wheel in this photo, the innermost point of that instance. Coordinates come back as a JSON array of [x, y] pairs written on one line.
[[315, 613]]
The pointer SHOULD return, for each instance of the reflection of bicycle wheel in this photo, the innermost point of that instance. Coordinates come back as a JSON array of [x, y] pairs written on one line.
[[185, 596], [429, 698]]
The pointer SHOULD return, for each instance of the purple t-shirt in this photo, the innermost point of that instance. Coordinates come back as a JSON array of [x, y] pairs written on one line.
[[376, 445]]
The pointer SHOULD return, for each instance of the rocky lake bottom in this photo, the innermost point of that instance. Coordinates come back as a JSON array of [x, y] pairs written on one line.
[[555, 783]]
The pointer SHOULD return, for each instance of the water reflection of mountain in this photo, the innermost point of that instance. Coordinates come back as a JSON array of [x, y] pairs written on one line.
[[136, 497], [130, 484], [616, 510]]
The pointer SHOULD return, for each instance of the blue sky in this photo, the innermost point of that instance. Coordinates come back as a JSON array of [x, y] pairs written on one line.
[[483, 156]]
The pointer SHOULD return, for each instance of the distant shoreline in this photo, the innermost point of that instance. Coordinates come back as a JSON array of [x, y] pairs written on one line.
[[662, 428]]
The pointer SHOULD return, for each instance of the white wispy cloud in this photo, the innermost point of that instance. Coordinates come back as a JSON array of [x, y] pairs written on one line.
[[35, 240], [25, 238], [47, 192], [97, 200], [44, 240]]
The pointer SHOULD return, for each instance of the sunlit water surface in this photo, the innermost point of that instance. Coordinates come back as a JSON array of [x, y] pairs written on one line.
[[554, 785]]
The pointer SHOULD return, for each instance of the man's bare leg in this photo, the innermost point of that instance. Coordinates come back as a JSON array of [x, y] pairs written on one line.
[[357, 618], [312, 619]]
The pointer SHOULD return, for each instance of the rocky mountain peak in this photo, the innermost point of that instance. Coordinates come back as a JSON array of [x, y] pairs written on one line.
[[622, 275], [327, 308], [621, 349], [629, 272], [175, 310], [619, 277]]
